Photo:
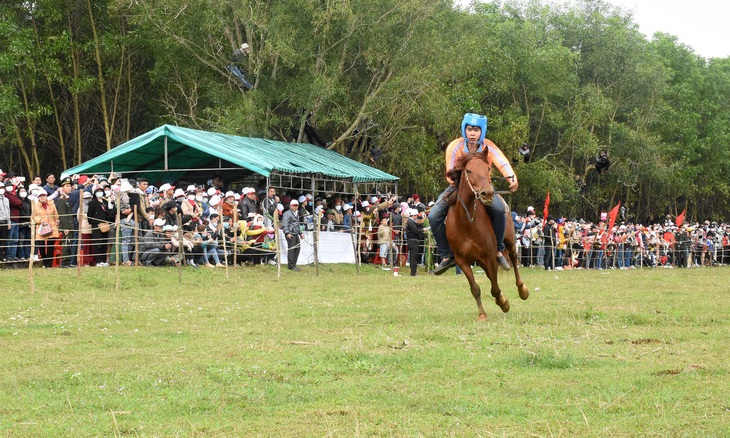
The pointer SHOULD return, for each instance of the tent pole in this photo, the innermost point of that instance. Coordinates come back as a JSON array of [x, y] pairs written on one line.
[[315, 234], [166, 163]]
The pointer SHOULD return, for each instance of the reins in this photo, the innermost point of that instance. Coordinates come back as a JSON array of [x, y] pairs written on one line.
[[466, 210]]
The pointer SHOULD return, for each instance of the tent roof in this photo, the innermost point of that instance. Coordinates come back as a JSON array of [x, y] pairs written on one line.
[[190, 150]]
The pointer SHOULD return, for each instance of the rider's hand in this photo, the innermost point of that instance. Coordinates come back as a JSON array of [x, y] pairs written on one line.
[[513, 185]]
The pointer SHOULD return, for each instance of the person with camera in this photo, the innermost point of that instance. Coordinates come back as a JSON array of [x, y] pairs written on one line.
[[414, 237], [473, 130], [100, 215]]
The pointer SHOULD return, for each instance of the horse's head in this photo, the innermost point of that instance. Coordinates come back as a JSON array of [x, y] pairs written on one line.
[[473, 173], [478, 175]]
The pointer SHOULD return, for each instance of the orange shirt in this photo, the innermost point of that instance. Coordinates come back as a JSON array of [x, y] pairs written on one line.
[[455, 150]]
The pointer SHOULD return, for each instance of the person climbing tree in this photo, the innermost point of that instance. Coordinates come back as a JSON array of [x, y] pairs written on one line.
[[237, 58]]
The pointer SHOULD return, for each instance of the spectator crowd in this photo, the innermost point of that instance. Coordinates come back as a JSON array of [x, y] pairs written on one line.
[[78, 218]]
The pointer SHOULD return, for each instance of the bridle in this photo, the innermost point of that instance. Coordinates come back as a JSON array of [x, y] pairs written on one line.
[[473, 215]]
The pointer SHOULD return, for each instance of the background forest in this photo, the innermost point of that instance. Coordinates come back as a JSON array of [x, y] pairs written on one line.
[[384, 79]]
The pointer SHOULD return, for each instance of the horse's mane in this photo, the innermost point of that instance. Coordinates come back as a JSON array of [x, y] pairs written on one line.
[[455, 172]]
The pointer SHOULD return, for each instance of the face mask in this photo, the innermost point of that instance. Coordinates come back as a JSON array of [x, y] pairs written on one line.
[[23, 195], [338, 208], [199, 198], [99, 194], [191, 197], [107, 192], [226, 225], [2, 191]]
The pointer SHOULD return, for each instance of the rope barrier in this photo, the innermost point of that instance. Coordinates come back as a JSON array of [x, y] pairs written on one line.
[[126, 240]]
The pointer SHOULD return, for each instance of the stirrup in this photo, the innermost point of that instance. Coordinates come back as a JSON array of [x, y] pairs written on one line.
[[444, 266], [502, 261]]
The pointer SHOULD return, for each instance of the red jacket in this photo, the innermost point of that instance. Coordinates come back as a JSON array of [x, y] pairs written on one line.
[[15, 203]]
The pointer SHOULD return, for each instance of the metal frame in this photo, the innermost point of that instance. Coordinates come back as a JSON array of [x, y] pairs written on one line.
[[308, 183]]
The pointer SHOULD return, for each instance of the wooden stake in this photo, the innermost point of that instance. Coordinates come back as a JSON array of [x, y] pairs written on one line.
[[354, 248], [315, 235], [32, 251], [117, 232], [180, 248], [278, 244], [80, 220], [136, 239], [235, 237], [223, 235]]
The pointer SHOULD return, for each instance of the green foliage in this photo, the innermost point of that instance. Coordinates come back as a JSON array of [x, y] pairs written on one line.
[[395, 74]]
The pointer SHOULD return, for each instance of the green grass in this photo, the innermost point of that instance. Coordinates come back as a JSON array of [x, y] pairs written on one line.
[[612, 353]]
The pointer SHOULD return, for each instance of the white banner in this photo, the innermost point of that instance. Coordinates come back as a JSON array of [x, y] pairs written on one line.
[[333, 248]]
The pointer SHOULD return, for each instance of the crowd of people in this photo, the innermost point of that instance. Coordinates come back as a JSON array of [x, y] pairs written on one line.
[[576, 243], [208, 225]]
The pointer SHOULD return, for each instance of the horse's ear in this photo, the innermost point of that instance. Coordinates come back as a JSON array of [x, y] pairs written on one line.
[[485, 154]]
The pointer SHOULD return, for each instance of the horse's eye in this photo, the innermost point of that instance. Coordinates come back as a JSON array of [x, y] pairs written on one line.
[[468, 171]]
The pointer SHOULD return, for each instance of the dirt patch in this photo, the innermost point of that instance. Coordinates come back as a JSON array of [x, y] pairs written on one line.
[[646, 341]]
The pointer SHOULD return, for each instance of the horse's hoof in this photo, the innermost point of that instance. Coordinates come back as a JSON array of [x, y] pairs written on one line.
[[482, 317], [503, 304], [524, 292]]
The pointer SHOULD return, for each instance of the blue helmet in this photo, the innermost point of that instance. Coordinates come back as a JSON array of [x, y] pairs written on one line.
[[474, 120]]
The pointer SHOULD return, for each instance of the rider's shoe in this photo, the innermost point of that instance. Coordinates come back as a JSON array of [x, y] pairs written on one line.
[[503, 263], [444, 266]]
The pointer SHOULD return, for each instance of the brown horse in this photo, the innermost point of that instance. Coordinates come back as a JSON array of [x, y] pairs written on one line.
[[470, 231]]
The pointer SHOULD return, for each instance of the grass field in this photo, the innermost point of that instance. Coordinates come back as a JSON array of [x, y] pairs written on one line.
[[612, 353]]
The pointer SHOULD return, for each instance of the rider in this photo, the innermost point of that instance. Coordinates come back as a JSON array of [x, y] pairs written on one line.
[[473, 129]]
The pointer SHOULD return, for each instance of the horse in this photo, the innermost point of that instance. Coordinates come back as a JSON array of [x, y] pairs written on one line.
[[469, 229]]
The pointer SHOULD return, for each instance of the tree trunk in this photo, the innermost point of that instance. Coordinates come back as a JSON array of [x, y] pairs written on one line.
[[100, 75]]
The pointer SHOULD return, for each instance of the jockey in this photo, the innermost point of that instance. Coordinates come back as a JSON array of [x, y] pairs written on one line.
[[473, 129]]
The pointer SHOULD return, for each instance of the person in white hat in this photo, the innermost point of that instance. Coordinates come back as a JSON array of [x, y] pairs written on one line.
[[127, 219], [166, 192], [347, 217], [234, 67], [249, 205], [414, 239], [155, 247], [228, 205], [293, 233]]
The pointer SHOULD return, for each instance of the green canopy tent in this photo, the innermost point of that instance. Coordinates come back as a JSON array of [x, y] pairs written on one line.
[[170, 153]]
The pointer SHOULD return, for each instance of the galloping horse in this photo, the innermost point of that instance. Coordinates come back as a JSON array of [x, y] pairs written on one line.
[[470, 231]]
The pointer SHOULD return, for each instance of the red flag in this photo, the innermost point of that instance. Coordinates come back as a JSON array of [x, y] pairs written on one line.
[[545, 210], [612, 215], [680, 219]]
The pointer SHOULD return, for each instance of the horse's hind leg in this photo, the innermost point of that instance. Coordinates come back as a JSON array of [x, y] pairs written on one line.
[[475, 289], [521, 288], [490, 267], [509, 242]]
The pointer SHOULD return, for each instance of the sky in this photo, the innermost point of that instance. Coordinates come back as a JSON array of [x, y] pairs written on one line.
[[700, 24]]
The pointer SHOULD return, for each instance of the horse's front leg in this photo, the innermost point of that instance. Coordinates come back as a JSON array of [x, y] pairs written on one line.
[[512, 254], [510, 241], [490, 267], [476, 291]]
